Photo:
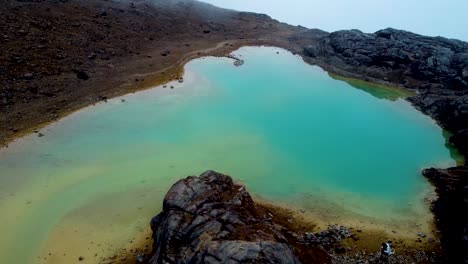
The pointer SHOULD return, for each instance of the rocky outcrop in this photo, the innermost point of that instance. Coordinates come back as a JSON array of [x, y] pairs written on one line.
[[450, 210], [397, 55], [209, 219]]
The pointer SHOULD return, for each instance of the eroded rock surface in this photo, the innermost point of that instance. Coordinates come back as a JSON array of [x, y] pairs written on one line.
[[396, 55], [209, 219]]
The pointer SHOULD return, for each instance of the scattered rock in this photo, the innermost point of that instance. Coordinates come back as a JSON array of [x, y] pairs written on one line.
[[340, 249], [82, 75], [28, 76], [165, 53], [102, 98]]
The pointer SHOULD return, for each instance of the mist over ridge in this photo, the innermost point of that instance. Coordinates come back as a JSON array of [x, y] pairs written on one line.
[[432, 18]]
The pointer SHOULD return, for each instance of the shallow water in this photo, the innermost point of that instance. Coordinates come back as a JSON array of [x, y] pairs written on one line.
[[286, 129]]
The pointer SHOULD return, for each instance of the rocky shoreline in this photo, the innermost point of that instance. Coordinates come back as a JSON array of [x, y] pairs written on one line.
[[117, 47], [436, 68], [211, 219], [451, 187]]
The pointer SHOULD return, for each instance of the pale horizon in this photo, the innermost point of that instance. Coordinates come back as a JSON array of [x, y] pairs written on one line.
[[430, 17]]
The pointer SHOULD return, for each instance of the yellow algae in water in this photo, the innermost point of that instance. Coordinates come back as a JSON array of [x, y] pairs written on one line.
[[380, 91]]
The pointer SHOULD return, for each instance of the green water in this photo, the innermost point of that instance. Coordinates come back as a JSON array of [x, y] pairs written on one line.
[[286, 129]]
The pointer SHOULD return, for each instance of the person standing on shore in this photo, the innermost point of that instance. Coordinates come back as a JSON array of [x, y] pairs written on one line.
[[386, 251]]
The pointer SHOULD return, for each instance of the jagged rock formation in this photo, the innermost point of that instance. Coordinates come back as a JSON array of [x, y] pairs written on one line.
[[209, 219], [399, 56]]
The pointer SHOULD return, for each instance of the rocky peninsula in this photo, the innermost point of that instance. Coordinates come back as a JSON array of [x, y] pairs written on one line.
[[60, 56]]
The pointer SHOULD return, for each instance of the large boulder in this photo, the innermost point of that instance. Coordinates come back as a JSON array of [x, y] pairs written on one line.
[[209, 219]]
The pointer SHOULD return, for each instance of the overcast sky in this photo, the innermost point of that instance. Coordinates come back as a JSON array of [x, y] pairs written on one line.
[[448, 18]]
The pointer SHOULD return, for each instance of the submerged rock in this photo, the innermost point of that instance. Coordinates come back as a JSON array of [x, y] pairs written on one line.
[[238, 63], [209, 219]]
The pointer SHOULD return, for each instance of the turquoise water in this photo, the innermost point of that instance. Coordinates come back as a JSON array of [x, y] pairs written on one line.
[[286, 129]]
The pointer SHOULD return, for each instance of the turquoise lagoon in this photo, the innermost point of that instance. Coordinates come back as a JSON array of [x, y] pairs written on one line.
[[288, 131]]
